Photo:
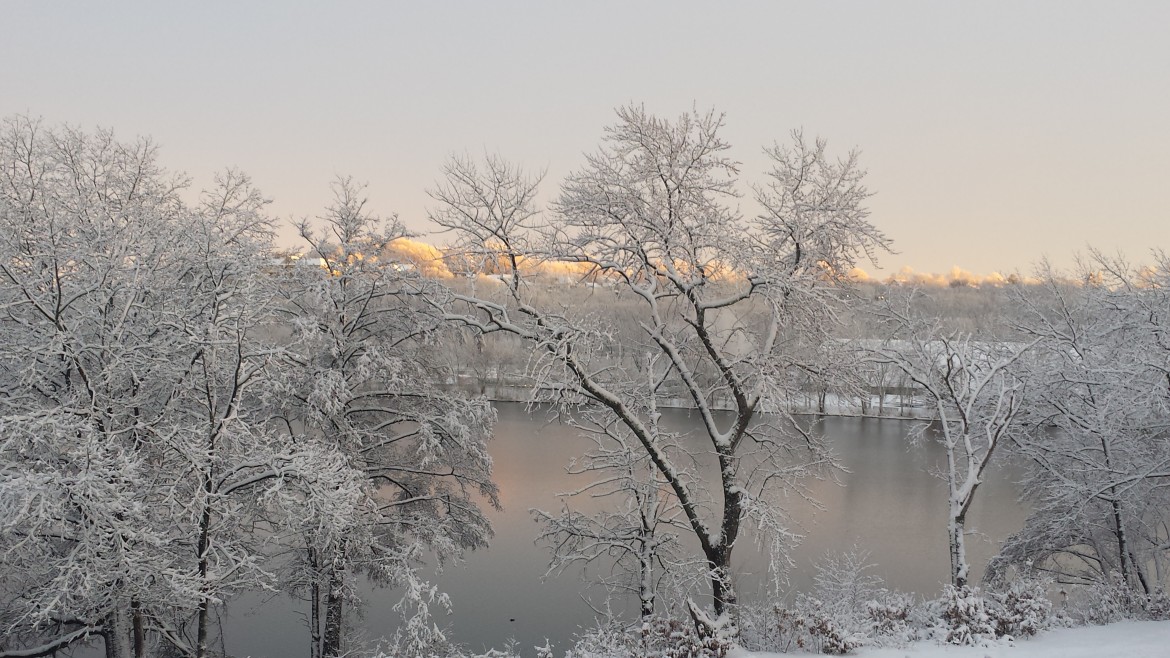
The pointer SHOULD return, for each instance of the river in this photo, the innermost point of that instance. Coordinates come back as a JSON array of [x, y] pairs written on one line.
[[887, 503]]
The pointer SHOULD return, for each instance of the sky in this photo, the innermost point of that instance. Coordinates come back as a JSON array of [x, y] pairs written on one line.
[[994, 133]]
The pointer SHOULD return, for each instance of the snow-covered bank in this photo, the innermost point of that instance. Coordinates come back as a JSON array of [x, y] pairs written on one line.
[[1129, 639], [889, 407]]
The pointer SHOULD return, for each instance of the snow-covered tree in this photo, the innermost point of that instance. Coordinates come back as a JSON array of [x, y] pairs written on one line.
[[233, 465], [135, 453], [88, 287], [363, 382], [975, 392], [736, 308], [632, 542], [1099, 454]]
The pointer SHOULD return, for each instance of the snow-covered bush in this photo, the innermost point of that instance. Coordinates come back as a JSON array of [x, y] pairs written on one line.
[[608, 640], [830, 637], [511, 649], [1023, 609], [1110, 601], [963, 617], [664, 637], [891, 619], [1103, 603], [848, 608], [889, 622], [657, 637], [810, 629], [1158, 606], [843, 587], [772, 628]]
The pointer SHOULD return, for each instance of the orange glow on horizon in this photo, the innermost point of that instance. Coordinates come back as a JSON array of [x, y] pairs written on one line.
[[431, 261]]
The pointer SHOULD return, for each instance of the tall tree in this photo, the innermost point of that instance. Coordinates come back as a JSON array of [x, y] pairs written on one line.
[[364, 383], [134, 453], [736, 308], [975, 393], [633, 542], [1099, 455], [79, 345]]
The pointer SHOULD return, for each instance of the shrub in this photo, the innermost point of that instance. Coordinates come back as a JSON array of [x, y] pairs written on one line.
[[890, 618], [1157, 606], [657, 637], [964, 617], [1024, 609], [1111, 600], [774, 628], [828, 637]]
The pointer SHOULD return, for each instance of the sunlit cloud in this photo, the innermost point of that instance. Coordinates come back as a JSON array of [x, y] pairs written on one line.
[[426, 257], [955, 277], [431, 262]]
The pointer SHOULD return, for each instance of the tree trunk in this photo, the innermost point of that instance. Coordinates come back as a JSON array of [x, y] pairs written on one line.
[[117, 634], [646, 577], [719, 557], [1130, 569], [314, 605], [959, 567], [1123, 549], [334, 615], [139, 631], [722, 587], [1141, 573], [203, 620]]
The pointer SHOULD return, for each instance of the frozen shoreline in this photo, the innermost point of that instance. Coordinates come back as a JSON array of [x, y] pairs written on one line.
[[1129, 639]]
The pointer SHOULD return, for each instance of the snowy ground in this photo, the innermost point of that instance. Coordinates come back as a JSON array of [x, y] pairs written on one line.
[[1131, 639]]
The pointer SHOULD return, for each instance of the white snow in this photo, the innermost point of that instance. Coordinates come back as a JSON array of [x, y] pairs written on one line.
[[1129, 639]]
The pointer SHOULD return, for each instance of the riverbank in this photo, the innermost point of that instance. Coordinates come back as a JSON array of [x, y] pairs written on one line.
[[890, 407], [1128, 639]]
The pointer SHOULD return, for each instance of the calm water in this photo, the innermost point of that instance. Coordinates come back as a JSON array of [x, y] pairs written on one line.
[[889, 504]]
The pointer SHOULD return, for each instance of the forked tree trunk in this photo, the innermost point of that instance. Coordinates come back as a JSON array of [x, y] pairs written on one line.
[[1124, 553]]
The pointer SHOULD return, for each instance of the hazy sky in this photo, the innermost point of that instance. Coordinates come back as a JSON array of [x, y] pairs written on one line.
[[994, 133]]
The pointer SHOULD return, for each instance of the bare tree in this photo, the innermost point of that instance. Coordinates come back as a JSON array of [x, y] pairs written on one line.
[[363, 382], [1099, 453], [135, 453], [976, 395], [732, 306], [633, 540]]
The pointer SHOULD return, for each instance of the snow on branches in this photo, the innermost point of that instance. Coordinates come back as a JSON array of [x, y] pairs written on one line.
[[730, 313]]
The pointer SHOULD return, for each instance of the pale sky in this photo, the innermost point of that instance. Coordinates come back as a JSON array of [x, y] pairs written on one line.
[[994, 133]]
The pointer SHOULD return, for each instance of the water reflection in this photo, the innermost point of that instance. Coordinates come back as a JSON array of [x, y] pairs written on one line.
[[889, 504]]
